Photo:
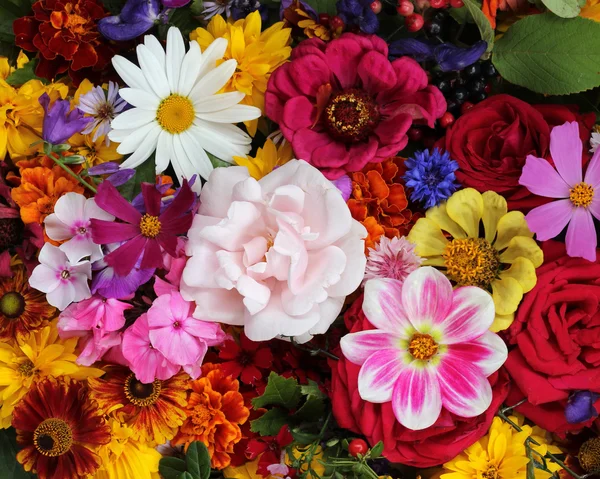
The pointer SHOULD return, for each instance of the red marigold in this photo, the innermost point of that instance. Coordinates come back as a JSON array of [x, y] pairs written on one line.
[[66, 36]]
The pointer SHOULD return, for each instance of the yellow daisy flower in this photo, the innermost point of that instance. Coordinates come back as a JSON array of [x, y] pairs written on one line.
[[502, 454], [25, 361], [257, 54], [94, 152], [474, 240], [266, 159], [591, 10]]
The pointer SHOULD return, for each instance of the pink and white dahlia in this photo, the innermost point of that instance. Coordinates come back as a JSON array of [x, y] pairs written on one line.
[[343, 104], [431, 348], [277, 256]]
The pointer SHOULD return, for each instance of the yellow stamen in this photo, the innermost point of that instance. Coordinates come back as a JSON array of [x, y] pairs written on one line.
[[150, 226], [175, 114], [491, 473], [472, 262], [53, 437], [422, 346], [26, 368], [582, 194]]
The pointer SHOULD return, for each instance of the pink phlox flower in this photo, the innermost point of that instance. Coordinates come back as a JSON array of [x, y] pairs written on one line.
[[95, 313], [96, 345]]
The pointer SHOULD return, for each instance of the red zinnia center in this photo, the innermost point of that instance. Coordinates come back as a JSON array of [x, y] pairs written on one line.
[[351, 115]]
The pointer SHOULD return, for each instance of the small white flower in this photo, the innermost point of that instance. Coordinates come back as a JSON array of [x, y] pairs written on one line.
[[594, 142], [103, 107], [62, 281]]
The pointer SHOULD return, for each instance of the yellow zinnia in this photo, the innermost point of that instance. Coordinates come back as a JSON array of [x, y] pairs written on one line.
[[475, 241], [502, 454], [591, 10], [25, 361], [267, 158], [257, 55]]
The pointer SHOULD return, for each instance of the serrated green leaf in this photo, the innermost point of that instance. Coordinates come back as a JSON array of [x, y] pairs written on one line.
[[550, 55], [311, 390], [197, 460], [312, 409], [270, 423], [23, 75], [280, 391], [171, 467], [323, 6], [9, 467], [563, 8], [485, 28]]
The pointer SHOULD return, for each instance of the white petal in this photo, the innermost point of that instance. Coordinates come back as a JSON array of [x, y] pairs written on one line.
[[153, 72], [197, 155], [130, 73], [144, 150], [119, 135], [233, 114], [44, 278], [156, 48], [189, 69], [92, 210], [214, 80], [144, 99], [219, 145], [56, 229], [134, 118], [222, 101], [164, 151], [70, 208], [61, 296], [135, 139], [51, 256], [175, 55], [181, 158], [226, 132], [215, 51]]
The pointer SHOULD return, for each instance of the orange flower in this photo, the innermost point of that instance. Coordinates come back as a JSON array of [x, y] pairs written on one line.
[[379, 201], [215, 412], [40, 189]]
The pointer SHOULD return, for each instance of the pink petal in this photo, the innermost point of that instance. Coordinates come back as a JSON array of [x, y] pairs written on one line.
[[123, 259], [382, 306], [487, 352], [152, 199], [179, 206], [417, 401], [376, 72], [592, 175], [466, 391], [70, 208], [177, 346], [357, 347], [311, 72], [53, 257], [343, 56], [541, 179], [207, 332], [426, 297], [216, 193], [105, 232], [548, 220], [471, 315], [180, 308], [110, 200], [160, 314], [218, 305], [595, 206], [565, 148], [581, 237], [152, 254], [378, 374], [410, 76]]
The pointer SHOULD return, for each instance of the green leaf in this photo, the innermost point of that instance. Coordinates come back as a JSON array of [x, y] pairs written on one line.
[[197, 459], [183, 19], [279, 392], [216, 162], [376, 450], [186, 475], [312, 390], [563, 8], [323, 6], [270, 423], [303, 437], [171, 467], [9, 467], [461, 15], [23, 75], [145, 173], [485, 28], [311, 410], [550, 55]]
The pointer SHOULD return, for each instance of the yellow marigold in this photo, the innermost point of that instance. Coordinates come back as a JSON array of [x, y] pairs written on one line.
[[502, 260], [26, 361], [267, 158], [591, 10], [257, 55]]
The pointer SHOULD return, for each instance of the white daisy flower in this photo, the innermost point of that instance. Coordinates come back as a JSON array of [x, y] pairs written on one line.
[[103, 107], [594, 141], [177, 111]]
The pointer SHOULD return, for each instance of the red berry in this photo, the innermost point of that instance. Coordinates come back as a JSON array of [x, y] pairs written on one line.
[[466, 106], [414, 22], [376, 7], [488, 88], [324, 19], [446, 120], [415, 134], [457, 3], [405, 8], [437, 3], [357, 446], [336, 23]]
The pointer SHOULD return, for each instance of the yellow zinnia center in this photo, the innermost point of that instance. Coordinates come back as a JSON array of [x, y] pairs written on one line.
[[12, 305], [150, 226], [142, 394], [53, 437], [582, 194], [175, 114], [491, 473], [589, 455], [422, 346], [26, 368], [471, 261]]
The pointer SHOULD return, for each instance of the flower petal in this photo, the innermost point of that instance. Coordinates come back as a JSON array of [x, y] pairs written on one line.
[[592, 175], [507, 294], [357, 347], [525, 247], [382, 306], [465, 207], [581, 237], [547, 221], [541, 179], [487, 352], [471, 314], [428, 237], [426, 297], [378, 374], [494, 208], [523, 271], [565, 148], [510, 225]]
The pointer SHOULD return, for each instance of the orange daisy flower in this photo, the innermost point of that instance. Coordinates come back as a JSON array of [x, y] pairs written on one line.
[[379, 200], [40, 189], [215, 411], [22, 309], [154, 411]]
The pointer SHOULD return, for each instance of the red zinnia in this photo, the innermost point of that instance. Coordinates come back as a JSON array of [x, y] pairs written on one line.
[[245, 360], [66, 36]]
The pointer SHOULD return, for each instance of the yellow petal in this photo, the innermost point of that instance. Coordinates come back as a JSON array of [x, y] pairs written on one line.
[[521, 246], [50, 353], [523, 271], [237, 44], [502, 322], [439, 215], [510, 225], [494, 207], [253, 25], [465, 207], [511, 465], [507, 294], [428, 237]]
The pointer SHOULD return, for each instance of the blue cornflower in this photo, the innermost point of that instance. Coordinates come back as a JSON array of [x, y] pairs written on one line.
[[431, 177], [358, 12]]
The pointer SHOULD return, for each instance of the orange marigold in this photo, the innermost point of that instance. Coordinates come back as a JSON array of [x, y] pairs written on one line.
[[379, 200], [40, 189], [215, 411]]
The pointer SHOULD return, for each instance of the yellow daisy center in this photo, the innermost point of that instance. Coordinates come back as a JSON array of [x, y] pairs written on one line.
[[150, 226], [589, 455], [422, 346], [142, 394], [12, 305], [175, 114], [582, 194], [491, 473], [471, 261], [53, 437], [26, 368]]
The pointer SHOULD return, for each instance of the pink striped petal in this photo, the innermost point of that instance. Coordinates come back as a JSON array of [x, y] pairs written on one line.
[[378, 375], [417, 400], [488, 352], [471, 315], [383, 307], [539, 177], [357, 347], [592, 175], [581, 237], [466, 391], [426, 297], [547, 221], [565, 148]]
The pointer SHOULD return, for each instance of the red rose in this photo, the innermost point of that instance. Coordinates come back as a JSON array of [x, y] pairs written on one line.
[[557, 336], [491, 141], [439, 443]]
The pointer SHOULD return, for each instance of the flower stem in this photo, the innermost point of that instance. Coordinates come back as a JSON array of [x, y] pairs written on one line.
[[72, 173]]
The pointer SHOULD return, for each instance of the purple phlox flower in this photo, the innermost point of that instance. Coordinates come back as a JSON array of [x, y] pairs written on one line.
[[285, 4], [580, 407], [117, 176], [448, 56], [242, 8], [358, 12], [60, 123], [136, 18]]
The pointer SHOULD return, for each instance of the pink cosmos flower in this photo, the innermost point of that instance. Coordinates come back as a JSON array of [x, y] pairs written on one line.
[[579, 200], [392, 258], [278, 255], [62, 281], [71, 221], [432, 348], [343, 104]]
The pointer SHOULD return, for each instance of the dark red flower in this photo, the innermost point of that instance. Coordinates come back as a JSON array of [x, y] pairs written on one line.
[[269, 448], [246, 359]]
